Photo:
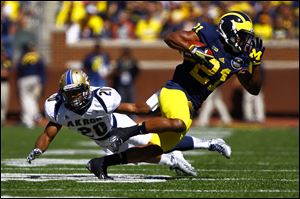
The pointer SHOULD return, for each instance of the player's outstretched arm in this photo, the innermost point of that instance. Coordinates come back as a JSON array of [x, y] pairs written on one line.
[[44, 140], [252, 79], [134, 108], [180, 40], [141, 108], [189, 42]]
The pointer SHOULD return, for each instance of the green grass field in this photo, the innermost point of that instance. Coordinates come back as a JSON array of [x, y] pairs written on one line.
[[264, 164]]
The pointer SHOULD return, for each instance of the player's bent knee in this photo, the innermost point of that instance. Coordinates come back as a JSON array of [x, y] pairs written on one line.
[[179, 125]]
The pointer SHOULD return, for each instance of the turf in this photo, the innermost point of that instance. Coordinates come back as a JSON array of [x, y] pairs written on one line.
[[264, 164]]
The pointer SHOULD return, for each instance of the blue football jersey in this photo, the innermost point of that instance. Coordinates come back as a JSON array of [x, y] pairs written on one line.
[[197, 78]]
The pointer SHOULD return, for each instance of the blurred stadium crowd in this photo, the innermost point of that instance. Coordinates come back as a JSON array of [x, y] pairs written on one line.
[[150, 20], [144, 20], [136, 20]]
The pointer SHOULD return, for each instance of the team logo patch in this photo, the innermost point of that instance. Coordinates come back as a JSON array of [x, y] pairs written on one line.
[[237, 62]]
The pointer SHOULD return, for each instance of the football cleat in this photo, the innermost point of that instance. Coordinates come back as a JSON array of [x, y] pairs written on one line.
[[114, 143], [96, 167], [220, 146], [180, 165]]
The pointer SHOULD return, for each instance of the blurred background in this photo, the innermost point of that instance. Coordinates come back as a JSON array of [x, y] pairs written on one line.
[[119, 44]]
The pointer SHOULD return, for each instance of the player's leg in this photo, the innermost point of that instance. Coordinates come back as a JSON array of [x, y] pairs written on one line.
[[26, 101], [175, 118], [180, 110], [221, 107], [177, 110], [4, 100], [98, 166], [259, 107], [191, 142], [172, 109], [173, 160], [206, 111], [248, 106]]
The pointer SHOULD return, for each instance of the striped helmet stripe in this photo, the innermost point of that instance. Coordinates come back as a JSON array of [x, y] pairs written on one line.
[[246, 23], [242, 16], [69, 77]]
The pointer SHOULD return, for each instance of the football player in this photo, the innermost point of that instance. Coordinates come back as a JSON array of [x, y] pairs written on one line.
[[211, 55], [89, 110]]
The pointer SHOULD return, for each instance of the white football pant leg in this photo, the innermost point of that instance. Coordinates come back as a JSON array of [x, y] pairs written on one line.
[[125, 121], [4, 100]]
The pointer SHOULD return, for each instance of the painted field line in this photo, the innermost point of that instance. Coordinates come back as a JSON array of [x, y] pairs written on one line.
[[21, 162], [43, 162], [7, 196], [43, 169], [197, 152], [143, 169], [74, 152], [173, 190], [33, 168], [100, 152], [250, 170], [206, 133], [131, 178], [241, 179], [84, 177], [295, 164]]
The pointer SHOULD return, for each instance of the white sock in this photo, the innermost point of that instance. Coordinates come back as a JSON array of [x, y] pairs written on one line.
[[165, 159], [201, 143]]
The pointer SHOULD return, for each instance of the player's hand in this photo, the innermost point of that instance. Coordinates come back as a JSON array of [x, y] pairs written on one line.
[[257, 51], [33, 154], [203, 52]]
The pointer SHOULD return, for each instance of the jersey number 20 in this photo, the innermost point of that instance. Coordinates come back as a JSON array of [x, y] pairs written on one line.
[[100, 129]]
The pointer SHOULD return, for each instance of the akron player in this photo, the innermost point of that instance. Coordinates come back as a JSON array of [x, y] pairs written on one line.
[[89, 110], [211, 55]]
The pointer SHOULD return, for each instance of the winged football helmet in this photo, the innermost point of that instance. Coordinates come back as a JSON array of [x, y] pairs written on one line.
[[74, 86], [236, 28]]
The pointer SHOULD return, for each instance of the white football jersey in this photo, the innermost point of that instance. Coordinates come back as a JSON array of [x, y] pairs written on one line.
[[95, 121]]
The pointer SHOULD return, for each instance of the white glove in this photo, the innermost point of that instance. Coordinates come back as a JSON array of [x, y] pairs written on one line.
[[33, 154]]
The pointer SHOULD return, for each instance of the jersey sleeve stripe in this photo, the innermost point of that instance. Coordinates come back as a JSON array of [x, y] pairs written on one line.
[[56, 108], [101, 101], [114, 125]]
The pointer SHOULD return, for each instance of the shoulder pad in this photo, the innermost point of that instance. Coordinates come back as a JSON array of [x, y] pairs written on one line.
[[52, 105], [108, 97]]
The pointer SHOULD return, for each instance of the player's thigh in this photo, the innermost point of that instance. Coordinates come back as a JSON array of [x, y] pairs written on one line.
[[140, 139], [123, 120], [175, 105]]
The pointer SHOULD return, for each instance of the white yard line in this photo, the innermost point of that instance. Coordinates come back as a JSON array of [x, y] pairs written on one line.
[[7, 196], [84, 177], [145, 169], [74, 152], [176, 190], [51, 161], [118, 178]]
